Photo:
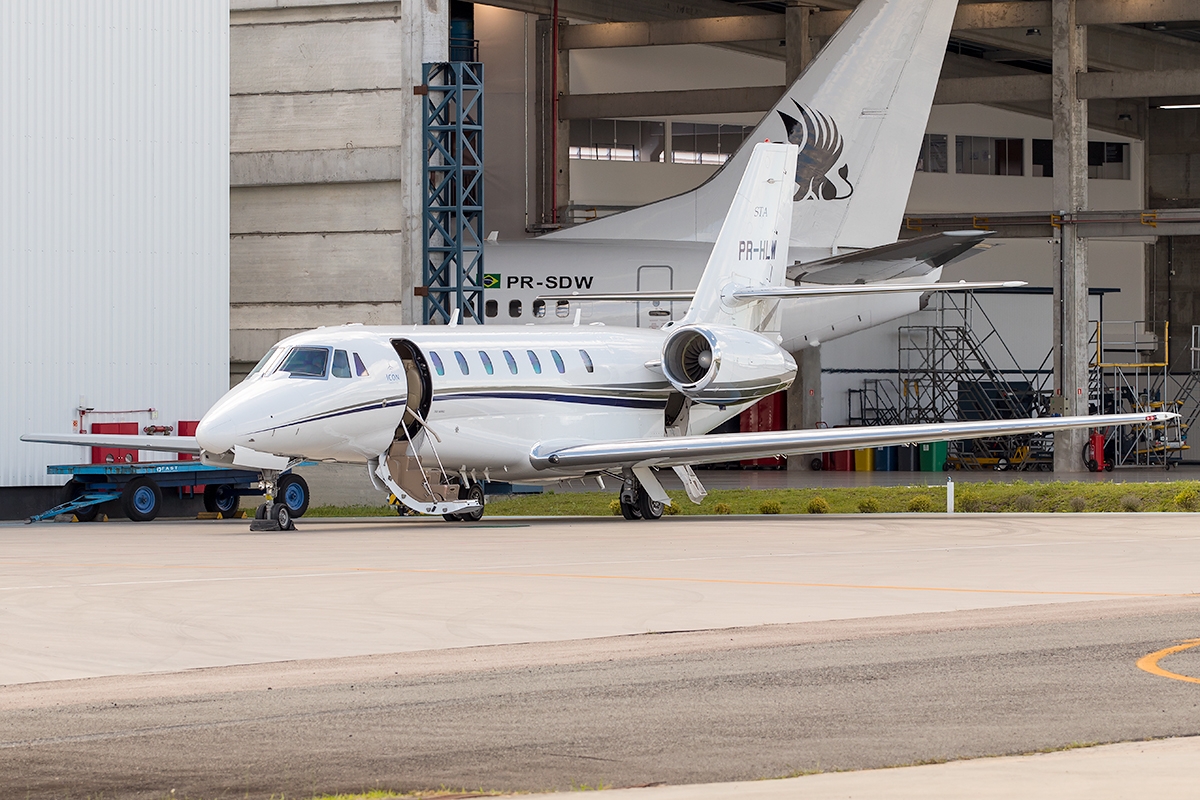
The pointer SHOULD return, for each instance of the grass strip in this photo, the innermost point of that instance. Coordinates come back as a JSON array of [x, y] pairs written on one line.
[[989, 497]]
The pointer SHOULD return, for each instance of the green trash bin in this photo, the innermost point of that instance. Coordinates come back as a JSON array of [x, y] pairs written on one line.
[[933, 456]]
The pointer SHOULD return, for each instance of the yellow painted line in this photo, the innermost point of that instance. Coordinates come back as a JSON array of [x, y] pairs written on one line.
[[1150, 663]]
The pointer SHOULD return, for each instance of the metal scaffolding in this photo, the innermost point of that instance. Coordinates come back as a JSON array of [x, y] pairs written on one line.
[[453, 208], [1127, 378]]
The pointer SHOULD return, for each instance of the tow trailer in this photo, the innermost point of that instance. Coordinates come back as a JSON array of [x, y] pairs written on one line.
[[139, 488]]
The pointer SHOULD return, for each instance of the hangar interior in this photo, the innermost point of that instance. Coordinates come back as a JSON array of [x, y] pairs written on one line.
[[1067, 126]]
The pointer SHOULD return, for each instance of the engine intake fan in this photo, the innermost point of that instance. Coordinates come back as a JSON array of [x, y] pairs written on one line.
[[723, 365]]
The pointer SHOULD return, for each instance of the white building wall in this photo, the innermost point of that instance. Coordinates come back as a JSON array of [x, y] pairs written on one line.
[[114, 229]]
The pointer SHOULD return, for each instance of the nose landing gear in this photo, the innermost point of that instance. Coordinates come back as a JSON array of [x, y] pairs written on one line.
[[287, 498]]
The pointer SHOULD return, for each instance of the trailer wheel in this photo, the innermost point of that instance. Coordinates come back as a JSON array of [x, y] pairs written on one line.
[[141, 500], [74, 489], [293, 490], [221, 498]]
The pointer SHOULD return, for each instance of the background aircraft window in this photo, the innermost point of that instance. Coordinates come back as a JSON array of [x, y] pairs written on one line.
[[437, 363], [307, 362], [539, 308], [587, 360], [512, 362], [491, 308], [487, 362], [514, 308], [262, 362], [533, 360], [341, 364], [558, 362], [361, 368], [562, 308], [462, 363]]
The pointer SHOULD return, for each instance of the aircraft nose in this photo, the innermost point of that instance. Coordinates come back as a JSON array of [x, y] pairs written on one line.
[[214, 434]]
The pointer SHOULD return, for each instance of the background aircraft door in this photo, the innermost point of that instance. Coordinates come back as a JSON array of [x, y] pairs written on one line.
[[655, 313]]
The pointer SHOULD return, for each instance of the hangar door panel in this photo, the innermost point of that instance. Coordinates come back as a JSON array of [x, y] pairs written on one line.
[[655, 313]]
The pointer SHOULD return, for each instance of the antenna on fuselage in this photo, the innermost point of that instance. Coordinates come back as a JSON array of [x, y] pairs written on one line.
[[453, 318]]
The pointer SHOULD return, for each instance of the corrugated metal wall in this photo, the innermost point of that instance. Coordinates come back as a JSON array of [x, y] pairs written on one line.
[[114, 217]]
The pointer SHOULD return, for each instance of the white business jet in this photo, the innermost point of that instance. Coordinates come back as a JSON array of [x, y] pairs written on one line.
[[434, 410]]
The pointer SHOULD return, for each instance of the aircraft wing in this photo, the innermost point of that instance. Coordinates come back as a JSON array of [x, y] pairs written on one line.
[[902, 259], [166, 444], [687, 450]]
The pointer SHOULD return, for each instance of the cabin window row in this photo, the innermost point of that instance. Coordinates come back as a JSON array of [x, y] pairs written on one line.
[[485, 361], [562, 308]]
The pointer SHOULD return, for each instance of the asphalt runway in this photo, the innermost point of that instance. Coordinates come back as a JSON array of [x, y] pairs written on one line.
[[538, 654]]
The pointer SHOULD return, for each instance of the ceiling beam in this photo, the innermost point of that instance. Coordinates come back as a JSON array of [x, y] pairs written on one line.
[[950, 91], [708, 30]]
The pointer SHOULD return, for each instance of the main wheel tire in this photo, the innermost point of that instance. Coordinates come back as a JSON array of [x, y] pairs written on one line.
[[141, 499], [630, 510], [221, 498], [75, 489], [816, 465], [474, 493], [282, 513], [293, 490], [648, 508]]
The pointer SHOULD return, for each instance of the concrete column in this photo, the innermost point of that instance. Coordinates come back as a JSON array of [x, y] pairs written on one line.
[[804, 399], [1070, 258], [804, 396], [425, 31], [552, 172], [799, 39]]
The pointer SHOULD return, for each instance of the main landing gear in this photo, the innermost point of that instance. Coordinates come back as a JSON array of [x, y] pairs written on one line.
[[636, 502]]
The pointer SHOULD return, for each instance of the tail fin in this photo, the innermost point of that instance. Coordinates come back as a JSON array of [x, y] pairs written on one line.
[[751, 249], [858, 112]]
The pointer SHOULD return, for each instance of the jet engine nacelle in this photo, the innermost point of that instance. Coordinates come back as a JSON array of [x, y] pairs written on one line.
[[723, 365]]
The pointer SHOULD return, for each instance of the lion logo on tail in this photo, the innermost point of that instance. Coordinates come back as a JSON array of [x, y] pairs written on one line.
[[820, 151]]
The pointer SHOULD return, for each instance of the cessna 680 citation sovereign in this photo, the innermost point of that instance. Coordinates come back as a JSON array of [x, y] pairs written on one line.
[[434, 410]]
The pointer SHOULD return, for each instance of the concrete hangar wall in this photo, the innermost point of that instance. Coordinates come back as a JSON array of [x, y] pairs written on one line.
[[325, 158], [114, 131]]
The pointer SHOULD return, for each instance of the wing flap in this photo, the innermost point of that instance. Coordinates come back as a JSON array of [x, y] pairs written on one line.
[[165, 444], [686, 450]]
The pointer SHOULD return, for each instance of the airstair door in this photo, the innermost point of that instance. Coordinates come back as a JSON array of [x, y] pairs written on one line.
[[655, 313]]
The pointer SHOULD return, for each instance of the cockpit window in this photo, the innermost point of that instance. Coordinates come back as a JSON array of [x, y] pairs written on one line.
[[360, 367], [262, 362], [341, 364], [306, 362]]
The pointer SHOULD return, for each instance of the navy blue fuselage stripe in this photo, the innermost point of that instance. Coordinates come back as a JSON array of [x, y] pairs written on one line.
[[626, 402], [370, 407]]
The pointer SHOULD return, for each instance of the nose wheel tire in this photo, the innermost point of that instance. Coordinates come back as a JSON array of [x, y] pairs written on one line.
[[141, 500], [282, 514]]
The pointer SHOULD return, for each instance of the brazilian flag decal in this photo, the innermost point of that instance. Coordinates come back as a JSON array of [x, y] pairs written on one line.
[[491, 280]]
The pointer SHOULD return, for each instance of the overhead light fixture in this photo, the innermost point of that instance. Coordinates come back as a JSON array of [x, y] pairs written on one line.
[[1175, 106], [1034, 32]]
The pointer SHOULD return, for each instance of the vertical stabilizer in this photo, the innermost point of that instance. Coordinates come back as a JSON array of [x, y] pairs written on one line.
[[857, 112], [751, 248]]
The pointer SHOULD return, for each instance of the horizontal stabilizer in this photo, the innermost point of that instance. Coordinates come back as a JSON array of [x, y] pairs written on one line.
[[906, 258], [685, 450], [165, 444]]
